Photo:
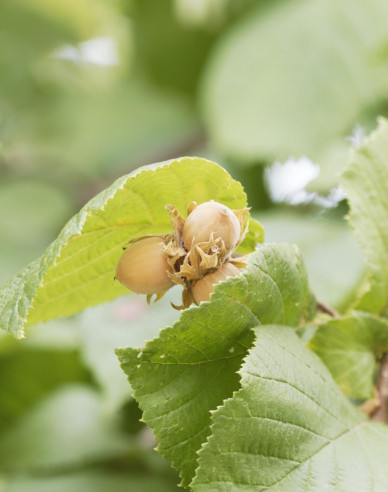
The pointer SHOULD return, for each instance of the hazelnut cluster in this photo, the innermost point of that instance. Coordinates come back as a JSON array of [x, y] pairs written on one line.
[[197, 255]]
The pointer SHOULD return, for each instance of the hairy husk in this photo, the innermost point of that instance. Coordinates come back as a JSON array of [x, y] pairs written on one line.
[[200, 249]]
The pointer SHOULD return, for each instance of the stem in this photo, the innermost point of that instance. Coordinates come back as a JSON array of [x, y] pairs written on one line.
[[380, 414], [326, 309]]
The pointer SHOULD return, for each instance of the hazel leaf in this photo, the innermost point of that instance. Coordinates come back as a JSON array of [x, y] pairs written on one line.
[[77, 269], [289, 428], [264, 104], [192, 367], [350, 347], [365, 184]]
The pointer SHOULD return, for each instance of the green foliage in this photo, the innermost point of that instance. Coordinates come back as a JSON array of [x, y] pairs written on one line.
[[92, 481], [77, 270], [285, 422], [166, 44], [273, 88], [125, 321], [192, 367], [66, 429], [167, 120], [290, 428], [230, 412], [330, 252], [90, 90], [31, 31], [365, 184], [350, 348], [57, 427], [30, 374]]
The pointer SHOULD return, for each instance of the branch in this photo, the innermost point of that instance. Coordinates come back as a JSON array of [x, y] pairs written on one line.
[[380, 414], [326, 309]]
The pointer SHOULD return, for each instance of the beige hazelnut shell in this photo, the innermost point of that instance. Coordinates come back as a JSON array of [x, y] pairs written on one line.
[[143, 267], [203, 288], [211, 217]]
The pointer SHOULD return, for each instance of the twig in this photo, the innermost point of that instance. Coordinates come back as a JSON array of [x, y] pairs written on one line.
[[370, 406], [326, 309], [380, 414]]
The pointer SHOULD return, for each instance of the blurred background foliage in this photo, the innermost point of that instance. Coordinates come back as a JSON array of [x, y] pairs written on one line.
[[276, 92]]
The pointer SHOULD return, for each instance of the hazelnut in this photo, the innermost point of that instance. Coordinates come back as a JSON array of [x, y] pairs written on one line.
[[203, 288], [143, 267], [211, 219]]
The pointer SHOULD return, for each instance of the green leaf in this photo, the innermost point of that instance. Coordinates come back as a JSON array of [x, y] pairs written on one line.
[[77, 270], [66, 429], [365, 185], [274, 84], [29, 374], [349, 347], [290, 428], [192, 367], [92, 481]]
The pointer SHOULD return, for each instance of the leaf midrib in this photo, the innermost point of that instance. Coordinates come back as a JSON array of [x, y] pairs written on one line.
[[209, 361]]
